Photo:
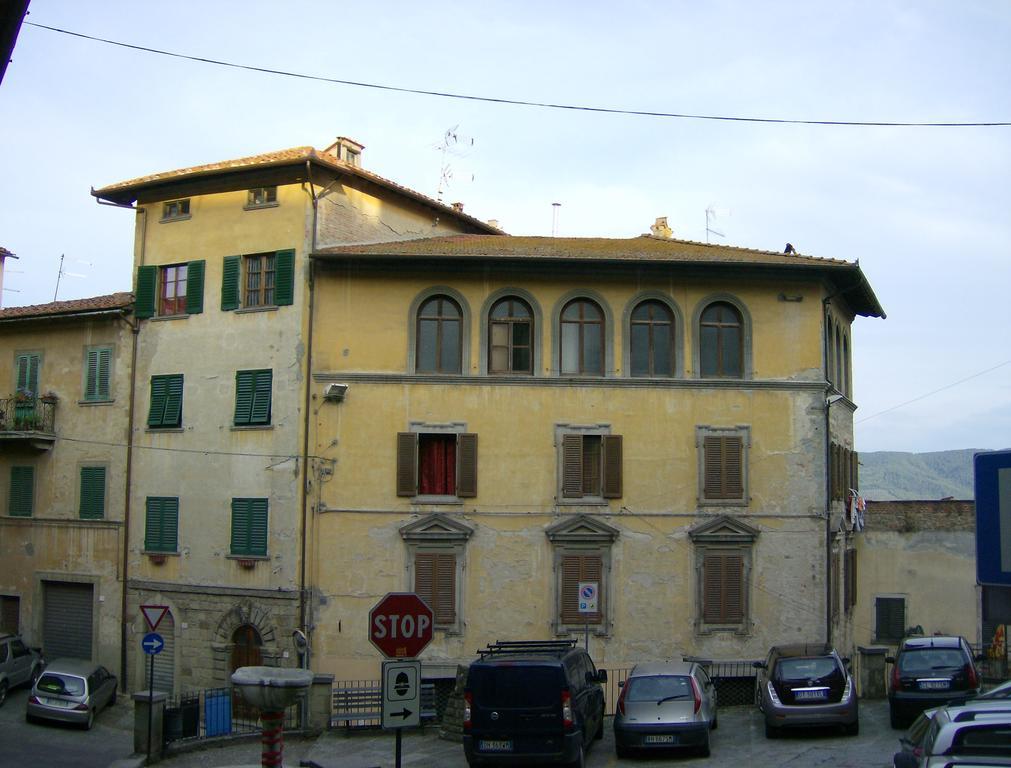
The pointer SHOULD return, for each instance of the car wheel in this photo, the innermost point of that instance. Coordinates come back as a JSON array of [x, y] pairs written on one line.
[[3, 692], [600, 727], [704, 749], [716, 722], [771, 731], [580, 761], [893, 718]]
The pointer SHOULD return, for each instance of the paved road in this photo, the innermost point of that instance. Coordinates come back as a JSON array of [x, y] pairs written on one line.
[[738, 743], [53, 745]]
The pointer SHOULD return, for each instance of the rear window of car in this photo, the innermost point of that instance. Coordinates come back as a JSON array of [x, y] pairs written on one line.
[[3, 652], [657, 687], [805, 669], [915, 661], [983, 740], [68, 685], [516, 685]]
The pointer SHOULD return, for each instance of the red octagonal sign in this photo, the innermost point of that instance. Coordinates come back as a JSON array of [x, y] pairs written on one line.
[[400, 625]]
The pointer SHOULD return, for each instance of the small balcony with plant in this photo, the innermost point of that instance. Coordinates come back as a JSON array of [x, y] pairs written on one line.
[[29, 419]]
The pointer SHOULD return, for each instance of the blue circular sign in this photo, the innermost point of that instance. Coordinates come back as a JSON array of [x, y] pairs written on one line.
[[152, 643]]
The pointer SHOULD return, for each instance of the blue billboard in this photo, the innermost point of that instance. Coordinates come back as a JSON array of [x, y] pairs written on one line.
[[993, 517]]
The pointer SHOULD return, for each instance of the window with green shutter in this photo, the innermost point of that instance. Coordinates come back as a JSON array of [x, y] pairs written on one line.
[[145, 292], [22, 492], [27, 366], [253, 397], [249, 527], [98, 374], [258, 280], [161, 530], [92, 505], [166, 409]]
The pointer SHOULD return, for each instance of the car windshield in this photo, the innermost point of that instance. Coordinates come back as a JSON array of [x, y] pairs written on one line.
[[516, 686], [659, 687], [806, 669], [68, 685], [926, 660]]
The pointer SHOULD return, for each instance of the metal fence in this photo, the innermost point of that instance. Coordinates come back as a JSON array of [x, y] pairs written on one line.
[[992, 664], [217, 712]]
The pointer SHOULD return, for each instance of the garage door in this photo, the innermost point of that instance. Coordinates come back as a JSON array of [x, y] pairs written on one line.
[[67, 619], [164, 662]]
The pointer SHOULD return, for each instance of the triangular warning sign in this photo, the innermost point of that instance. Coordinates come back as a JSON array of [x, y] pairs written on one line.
[[153, 614]]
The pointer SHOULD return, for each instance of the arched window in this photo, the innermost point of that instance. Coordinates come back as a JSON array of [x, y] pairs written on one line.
[[582, 343], [439, 336], [651, 339], [839, 382], [510, 337], [830, 349], [721, 343], [846, 366]]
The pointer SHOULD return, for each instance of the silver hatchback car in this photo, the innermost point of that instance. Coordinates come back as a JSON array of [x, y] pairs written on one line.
[[665, 705], [72, 691]]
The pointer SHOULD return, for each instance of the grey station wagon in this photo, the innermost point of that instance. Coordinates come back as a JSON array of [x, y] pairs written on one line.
[[71, 691]]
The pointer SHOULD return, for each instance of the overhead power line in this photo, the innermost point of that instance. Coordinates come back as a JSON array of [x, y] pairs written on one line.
[[521, 102]]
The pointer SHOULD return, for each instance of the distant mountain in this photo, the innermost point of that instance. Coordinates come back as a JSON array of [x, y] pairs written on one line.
[[891, 475]]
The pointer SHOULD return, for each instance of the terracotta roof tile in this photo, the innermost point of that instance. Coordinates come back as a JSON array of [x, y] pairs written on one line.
[[112, 301], [126, 191]]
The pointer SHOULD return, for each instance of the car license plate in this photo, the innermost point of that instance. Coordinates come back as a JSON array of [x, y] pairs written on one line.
[[496, 746], [660, 739], [818, 695], [934, 685]]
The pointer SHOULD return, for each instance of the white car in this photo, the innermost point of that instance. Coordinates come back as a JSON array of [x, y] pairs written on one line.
[[19, 664]]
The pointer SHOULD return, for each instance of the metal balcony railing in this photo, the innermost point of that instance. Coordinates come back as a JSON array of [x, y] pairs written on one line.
[[27, 414]]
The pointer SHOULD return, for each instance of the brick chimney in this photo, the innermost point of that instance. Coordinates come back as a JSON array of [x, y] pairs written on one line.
[[660, 228]]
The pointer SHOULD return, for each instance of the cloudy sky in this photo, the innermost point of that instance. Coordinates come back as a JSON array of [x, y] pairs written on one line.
[[924, 209]]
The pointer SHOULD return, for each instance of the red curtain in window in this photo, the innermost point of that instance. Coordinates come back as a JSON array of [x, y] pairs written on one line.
[[437, 465]]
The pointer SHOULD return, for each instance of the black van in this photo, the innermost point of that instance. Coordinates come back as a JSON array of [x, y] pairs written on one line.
[[536, 701]]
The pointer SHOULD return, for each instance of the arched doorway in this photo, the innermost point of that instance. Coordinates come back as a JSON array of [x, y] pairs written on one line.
[[246, 652]]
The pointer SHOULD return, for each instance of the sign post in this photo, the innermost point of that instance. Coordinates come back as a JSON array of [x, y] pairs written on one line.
[[400, 626], [588, 591], [152, 645]]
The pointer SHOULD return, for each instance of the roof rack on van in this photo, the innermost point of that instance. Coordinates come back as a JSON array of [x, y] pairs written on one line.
[[525, 646]]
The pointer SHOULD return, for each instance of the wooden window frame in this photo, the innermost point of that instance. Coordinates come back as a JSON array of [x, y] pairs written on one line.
[[275, 285], [175, 210], [510, 322], [21, 491], [165, 410], [716, 448], [581, 323], [172, 276], [719, 324], [440, 321], [93, 493], [261, 197], [250, 535], [438, 537], [258, 279], [408, 459], [582, 551], [161, 513], [98, 374], [722, 546], [253, 397], [650, 323], [890, 634], [606, 471]]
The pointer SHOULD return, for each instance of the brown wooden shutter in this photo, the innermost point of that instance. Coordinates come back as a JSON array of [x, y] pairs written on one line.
[[407, 464], [724, 467], [723, 588], [572, 466], [612, 466], [574, 569], [435, 583], [466, 456]]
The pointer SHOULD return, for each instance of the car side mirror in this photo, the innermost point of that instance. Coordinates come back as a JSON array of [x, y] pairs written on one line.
[[758, 664], [621, 683], [889, 659], [601, 675], [846, 660]]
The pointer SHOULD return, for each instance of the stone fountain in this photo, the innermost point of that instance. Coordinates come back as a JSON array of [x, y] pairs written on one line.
[[271, 690]]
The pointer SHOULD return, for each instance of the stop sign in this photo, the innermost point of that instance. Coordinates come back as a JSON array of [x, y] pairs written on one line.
[[400, 625]]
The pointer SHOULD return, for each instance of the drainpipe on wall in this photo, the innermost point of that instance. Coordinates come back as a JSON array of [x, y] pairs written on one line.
[[827, 400], [128, 485], [302, 602]]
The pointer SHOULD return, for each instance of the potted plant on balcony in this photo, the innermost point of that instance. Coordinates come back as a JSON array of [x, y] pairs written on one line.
[[49, 397]]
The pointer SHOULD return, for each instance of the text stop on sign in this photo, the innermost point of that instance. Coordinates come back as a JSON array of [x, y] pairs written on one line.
[[401, 625]]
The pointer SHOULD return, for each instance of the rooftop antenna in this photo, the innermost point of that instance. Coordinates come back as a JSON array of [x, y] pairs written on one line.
[[710, 218], [554, 218], [61, 273], [453, 144]]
